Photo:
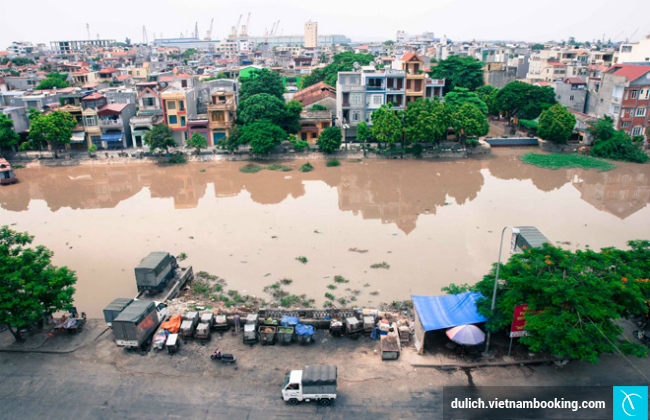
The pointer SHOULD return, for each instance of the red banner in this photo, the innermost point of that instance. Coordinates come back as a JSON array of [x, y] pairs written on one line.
[[519, 321]]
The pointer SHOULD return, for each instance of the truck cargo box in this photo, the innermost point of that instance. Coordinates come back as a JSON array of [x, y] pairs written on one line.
[[154, 271], [114, 308], [135, 324], [319, 379]]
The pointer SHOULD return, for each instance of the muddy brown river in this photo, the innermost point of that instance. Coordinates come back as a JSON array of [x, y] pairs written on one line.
[[434, 223]]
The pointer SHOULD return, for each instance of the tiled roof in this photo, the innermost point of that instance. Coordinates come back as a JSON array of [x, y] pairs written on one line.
[[108, 70], [315, 93], [410, 56], [92, 97], [81, 71], [630, 71], [575, 81]]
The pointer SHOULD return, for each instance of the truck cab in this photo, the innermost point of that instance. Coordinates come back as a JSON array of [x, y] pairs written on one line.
[[292, 386]]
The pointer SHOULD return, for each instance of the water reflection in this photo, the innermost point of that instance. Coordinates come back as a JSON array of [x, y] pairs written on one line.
[[393, 192]]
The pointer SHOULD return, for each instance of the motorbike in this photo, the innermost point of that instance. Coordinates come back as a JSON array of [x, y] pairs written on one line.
[[223, 358], [643, 336]]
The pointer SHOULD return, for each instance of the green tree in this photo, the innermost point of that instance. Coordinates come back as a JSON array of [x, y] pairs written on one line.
[[387, 125], [30, 286], [389, 42], [364, 132], [262, 106], [188, 53], [319, 107], [617, 145], [291, 121], [198, 142], [556, 124], [488, 94], [525, 101], [8, 136], [460, 96], [262, 136], [50, 129], [465, 72], [329, 140], [340, 62], [578, 297], [261, 81], [425, 121], [51, 83], [233, 141], [469, 121], [537, 47], [160, 137]]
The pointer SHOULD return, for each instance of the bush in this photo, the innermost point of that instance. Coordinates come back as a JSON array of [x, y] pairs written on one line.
[[251, 168], [471, 143], [178, 158], [333, 162], [330, 140], [278, 167], [560, 160], [416, 149], [306, 167], [529, 124]]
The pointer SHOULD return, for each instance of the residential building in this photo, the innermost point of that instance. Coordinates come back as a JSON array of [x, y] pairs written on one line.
[[499, 74], [107, 74], [107, 125], [18, 114], [84, 77], [21, 48], [71, 102], [40, 99], [634, 53], [311, 34], [67, 47], [571, 93], [623, 93], [312, 123], [177, 105], [222, 112], [417, 86], [199, 124], [140, 73], [318, 94], [22, 82]]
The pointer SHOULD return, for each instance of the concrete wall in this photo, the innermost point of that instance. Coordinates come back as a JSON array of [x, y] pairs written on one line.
[[573, 99], [500, 78]]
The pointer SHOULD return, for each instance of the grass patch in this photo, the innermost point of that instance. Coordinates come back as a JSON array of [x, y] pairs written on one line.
[[382, 264], [251, 168], [286, 282], [330, 296], [331, 286], [560, 160], [178, 158], [302, 259], [306, 167], [182, 256], [201, 170], [17, 167], [333, 162], [278, 167], [341, 279]]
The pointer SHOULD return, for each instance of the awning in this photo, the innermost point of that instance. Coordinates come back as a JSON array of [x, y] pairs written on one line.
[[112, 136], [438, 312], [78, 137]]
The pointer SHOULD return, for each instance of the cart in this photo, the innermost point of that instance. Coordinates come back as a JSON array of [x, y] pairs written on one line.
[[285, 335], [173, 343], [207, 318], [250, 335], [368, 323], [187, 330], [405, 334], [305, 334], [203, 332], [353, 327], [390, 345], [70, 324], [267, 334], [336, 328], [220, 323]]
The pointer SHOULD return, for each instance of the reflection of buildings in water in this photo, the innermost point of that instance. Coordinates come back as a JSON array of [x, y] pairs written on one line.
[[509, 167], [409, 189], [621, 192]]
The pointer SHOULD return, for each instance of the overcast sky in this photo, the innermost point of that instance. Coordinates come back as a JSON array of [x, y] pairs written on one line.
[[361, 20]]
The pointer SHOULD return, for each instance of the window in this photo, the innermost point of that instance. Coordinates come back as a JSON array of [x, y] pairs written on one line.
[[377, 99], [637, 131], [356, 98], [171, 104], [356, 116], [173, 120], [633, 94], [182, 121], [571, 98], [181, 106], [640, 112], [90, 120], [625, 124], [148, 102], [645, 94], [183, 83]]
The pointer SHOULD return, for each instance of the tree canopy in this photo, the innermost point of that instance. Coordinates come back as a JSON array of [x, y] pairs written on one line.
[[340, 62], [425, 121], [30, 286], [524, 100], [198, 142], [261, 81], [267, 107], [460, 96], [53, 80], [575, 298], [469, 121], [262, 136], [329, 140], [465, 72], [364, 132], [488, 94], [8, 136], [160, 137], [50, 129], [556, 124], [188, 53], [617, 145], [386, 125]]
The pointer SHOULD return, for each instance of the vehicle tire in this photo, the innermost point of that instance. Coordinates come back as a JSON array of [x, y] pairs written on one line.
[[293, 401], [325, 402]]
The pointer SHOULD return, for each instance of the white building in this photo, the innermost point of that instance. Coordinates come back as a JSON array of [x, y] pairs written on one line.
[[635, 53], [311, 34]]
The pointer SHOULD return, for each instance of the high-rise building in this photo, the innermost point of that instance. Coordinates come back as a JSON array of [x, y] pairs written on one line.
[[311, 34]]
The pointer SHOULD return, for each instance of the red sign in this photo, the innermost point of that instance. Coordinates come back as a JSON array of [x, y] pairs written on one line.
[[519, 321]]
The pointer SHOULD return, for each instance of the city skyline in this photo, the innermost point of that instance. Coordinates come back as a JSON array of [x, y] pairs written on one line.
[[362, 22]]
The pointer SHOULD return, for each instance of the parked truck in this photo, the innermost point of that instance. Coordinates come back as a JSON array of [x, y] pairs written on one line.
[[313, 382], [114, 309], [136, 324], [154, 271]]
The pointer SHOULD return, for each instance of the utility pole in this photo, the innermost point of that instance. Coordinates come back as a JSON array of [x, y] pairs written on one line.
[[88, 30]]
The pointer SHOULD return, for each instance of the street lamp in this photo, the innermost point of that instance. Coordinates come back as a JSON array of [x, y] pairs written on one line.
[[515, 231]]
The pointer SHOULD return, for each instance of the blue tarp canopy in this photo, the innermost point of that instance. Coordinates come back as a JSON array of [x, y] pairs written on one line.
[[112, 136], [438, 312]]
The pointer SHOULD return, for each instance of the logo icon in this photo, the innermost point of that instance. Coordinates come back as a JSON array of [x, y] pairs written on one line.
[[631, 402]]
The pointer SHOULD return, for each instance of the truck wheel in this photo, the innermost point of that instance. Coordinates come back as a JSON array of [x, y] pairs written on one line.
[[325, 402], [293, 401]]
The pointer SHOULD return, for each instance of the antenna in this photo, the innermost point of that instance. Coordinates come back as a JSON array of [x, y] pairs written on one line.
[[145, 38], [88, 30], [196, 30], [356, 65]]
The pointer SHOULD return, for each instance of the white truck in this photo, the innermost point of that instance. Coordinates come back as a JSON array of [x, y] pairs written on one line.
[[313, 382]]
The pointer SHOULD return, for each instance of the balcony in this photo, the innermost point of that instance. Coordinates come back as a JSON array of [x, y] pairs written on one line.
[[110, 123], [221, 105], [221, 124], [374, 88]]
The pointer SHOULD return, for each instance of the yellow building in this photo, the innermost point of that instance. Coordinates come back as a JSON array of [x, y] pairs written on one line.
[[222, 112]]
